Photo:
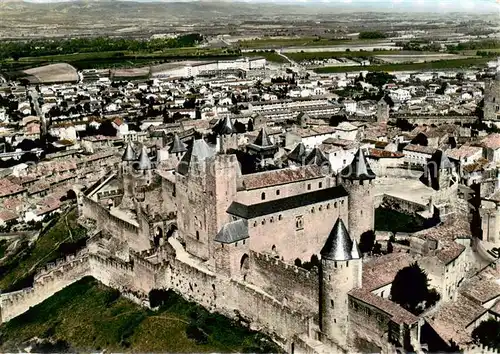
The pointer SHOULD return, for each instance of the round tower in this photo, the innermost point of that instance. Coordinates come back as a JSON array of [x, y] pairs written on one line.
[[128, 159], [358, 178], [492, 99], [341, 270]]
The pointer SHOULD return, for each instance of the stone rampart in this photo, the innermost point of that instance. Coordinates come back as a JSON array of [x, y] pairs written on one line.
[[49, 281], [280, 318], [277, 278], [428, 119]]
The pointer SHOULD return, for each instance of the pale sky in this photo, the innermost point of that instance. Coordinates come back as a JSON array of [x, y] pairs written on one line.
[[409, 5]]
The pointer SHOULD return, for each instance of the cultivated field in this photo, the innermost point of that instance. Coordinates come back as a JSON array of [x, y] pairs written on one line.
[[416, 58], [435, 65], [53, 73], [280, 42]]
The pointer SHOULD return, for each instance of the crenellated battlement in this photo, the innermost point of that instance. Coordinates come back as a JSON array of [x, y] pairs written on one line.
[[280, 265], [69, 261], [112, 262], [480, 349], [261, 296], [138, 259]]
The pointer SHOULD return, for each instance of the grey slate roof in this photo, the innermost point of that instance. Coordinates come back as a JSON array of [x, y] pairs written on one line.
[[129, 154], [177, 145], [233, 231], [441, 160], [359, 169], [224, 127], [262, 139], [338, 245], [316, 157], [298, 154], [144, 162], [435, 166], [199, 150], [250, 211]]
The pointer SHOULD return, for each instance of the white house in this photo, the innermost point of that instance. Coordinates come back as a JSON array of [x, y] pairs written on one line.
[[400, 95], [120, 126], [346, 131], [350, 106], [418, 154]]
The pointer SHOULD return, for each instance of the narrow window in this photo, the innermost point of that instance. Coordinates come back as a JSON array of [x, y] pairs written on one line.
[[197, 235], [309, 187], [263, 196], [331, 303], [320, 185], [277, 192]]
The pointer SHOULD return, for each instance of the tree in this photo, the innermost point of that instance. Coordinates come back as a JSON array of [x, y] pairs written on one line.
[[410, 289], [488, 333], [372, 35], [379, 79], [377, 248], [107, 129], [440, 91], [337, 119], [367, 241]]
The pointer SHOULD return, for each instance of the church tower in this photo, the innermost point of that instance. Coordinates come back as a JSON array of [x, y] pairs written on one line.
[[341, 270], [358, 179]]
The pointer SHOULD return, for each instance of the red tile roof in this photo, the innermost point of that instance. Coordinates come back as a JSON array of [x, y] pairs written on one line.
[[283, 176], [397, 313]]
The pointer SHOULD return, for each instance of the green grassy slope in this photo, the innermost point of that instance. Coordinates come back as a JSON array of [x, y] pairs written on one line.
[[62, 237], [88, 316]]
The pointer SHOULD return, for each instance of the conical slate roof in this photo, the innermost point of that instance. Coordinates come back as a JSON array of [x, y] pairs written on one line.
[[199, 150], [355, 251], [441, 160], [338, 246], [359, 169], [435, 166], [129, 154], [262, 139], [177, 146], [144, 162], [225, 127], [316, 157], [298, 154]]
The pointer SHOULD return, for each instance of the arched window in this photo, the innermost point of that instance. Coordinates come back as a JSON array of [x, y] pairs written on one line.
[[263, 196], [245, 263]]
